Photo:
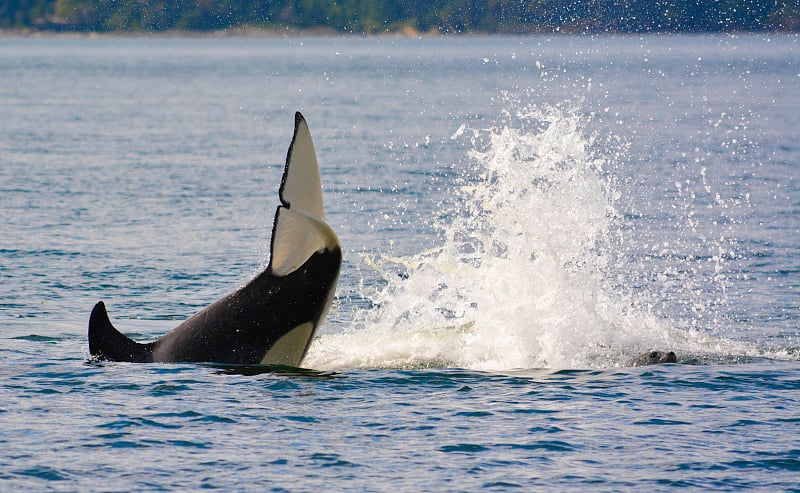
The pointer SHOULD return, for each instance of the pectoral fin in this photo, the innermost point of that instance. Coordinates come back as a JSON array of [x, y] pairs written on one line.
[[106, 342]]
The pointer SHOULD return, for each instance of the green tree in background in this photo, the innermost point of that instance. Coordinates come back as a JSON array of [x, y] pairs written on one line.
[[22, 13], [365, 16]]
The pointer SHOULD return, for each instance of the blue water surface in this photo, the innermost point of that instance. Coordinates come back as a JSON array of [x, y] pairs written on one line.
[[144, 172]]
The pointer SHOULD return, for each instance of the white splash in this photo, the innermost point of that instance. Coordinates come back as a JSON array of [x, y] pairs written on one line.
[[522, 280]]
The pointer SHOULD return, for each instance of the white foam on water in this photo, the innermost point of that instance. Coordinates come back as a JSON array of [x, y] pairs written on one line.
[[526, 275]]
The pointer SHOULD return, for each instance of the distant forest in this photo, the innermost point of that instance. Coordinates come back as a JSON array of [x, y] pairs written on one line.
[[410, 16]]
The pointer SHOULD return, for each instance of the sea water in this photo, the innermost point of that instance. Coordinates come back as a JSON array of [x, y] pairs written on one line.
[[520, 218]]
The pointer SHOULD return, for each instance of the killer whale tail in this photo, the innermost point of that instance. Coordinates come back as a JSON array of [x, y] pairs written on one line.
[[301, 186], [305, 255], [107, 343], [299, 229]]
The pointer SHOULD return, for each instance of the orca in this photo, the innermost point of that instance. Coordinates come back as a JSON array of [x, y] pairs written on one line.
[[275, 316]]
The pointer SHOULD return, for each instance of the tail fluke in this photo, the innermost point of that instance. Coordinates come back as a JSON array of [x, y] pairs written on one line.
[[301, 188], [107, 343], [299, 229]]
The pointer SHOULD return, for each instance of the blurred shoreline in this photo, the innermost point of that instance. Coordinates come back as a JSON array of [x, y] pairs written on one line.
[[318, 32]]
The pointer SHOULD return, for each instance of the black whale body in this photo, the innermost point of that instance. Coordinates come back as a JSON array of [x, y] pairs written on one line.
[[275, 316]]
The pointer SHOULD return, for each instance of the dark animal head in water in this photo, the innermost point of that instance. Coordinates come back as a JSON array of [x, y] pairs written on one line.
[[654, 358]]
